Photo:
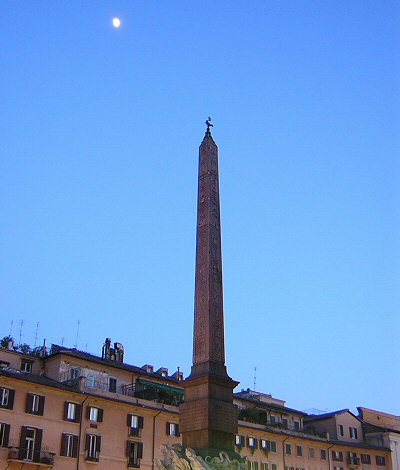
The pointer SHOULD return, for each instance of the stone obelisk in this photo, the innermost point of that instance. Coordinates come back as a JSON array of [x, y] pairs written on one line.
[[208, 418]]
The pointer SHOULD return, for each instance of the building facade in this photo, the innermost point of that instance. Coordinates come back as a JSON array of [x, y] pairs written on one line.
[[66, 409]]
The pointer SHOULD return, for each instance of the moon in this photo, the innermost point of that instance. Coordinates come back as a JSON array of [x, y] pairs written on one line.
[[116, 22]]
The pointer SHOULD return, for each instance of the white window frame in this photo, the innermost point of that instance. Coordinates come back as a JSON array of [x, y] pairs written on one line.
[[173, 429], [35, 403], [5, 394], [93, 415], [91, 451], [26, 366], [252, 442], [71, 411], [340, 430], [30, 444], [69, 445], [353, 433]]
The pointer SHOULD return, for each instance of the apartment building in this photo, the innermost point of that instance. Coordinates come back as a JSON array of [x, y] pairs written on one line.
[[382, 429], [67, 409]]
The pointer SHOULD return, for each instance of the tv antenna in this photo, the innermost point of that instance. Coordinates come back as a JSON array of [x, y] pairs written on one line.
[[11, 328], [77, 335], [21, 324], [36, 333], [255, 379]]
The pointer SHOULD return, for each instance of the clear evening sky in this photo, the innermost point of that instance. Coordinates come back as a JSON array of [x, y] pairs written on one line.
[[100, 129]]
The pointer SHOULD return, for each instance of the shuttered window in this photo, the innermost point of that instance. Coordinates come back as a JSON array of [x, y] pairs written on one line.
[[72, 411], [7, 398], [93, 445], [135, 424], [34, 404], [134, 452], [4, 434], [69, 445]]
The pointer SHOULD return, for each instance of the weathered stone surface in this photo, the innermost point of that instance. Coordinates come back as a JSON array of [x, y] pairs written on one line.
[[177, 457], [208, 418]]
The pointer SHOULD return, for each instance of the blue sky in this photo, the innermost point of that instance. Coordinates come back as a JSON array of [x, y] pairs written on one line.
[[98, 175]]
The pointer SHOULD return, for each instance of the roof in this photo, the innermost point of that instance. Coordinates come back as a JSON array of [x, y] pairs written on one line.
[[303, 435], [261, 404], [56, 349], [323, 416]]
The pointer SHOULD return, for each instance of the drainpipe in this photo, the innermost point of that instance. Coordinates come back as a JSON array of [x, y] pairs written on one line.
[[80, 435], [154, 439], [329, 456], [283, 452]]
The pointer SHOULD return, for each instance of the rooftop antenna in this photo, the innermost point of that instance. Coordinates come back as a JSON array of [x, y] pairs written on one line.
[[21, 324], [62, 341], [36, 333], [77, 335], [255, 379], [11, 328]]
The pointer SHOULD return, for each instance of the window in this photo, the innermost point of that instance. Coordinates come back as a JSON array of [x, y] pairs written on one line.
[[272, 419], [73, 373], [26, 365], [93, 444], [239, 441], [134, 451], [90, 382], [7, 398], [285, 423], [323, 454], [311, 453], [252, 465], [135, 424], [4, 434], [338, 468], [30, 444], [268, 445], [72, 411], [264, 466], [340, 430], [173, 429], [69, 445], [353, 460], [299, 451], [297, 425], [252, 443], [112, 385], [94, 414], [365, 458], [274, 466], [288, 449], [337, 456], [380, 460], [34, 404], [353, 433]]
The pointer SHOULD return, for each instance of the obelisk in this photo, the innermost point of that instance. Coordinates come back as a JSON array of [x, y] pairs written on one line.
[[208, 417]]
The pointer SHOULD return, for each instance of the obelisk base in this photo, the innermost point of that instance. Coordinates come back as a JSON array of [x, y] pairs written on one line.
[[208, 419]]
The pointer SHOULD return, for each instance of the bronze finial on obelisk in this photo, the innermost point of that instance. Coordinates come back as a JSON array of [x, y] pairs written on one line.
[[208, 418]]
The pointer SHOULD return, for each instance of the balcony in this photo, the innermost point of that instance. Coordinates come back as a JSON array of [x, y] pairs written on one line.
[[26, 456], [354, 461], [95, 457]]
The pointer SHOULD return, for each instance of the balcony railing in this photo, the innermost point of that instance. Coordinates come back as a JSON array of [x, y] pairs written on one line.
[[93, 457], [30, 455]]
